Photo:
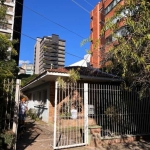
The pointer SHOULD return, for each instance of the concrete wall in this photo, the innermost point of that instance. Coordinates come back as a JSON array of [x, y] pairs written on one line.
[[39, 100]]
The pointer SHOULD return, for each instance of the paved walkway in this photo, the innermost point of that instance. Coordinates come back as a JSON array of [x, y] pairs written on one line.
[[39, 136]]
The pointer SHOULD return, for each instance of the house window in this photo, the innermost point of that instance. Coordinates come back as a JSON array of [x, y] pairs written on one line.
[[44, 96], [39, 96]]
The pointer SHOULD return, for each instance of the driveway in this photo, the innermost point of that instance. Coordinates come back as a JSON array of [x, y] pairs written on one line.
[[39, 136]]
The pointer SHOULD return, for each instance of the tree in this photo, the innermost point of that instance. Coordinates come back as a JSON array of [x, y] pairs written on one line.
[[8, 66], [129, 54]]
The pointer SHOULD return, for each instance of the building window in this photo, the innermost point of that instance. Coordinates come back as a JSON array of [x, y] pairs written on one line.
[[109, 39], [91, 30], [111, 6], [123, 31], [101, 10]]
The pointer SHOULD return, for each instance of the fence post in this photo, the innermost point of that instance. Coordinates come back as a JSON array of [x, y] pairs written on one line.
[[16, 108], [55, 114], [86, 113]]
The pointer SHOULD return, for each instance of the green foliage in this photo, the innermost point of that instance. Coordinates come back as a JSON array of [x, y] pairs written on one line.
[[3, 10], [130, 53], [8, 66], [61, 83], [8, 138], [32, 114], [26, 80], [74, 76], [84, 41]]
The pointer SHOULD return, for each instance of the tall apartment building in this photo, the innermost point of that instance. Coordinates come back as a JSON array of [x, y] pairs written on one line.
[[28, 68], [102, 11], [49, 52], [14, 23]]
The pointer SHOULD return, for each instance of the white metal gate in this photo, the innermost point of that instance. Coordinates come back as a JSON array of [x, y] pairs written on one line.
[[71, 116]]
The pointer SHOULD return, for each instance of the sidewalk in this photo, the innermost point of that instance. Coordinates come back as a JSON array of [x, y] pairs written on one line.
[[39, 136]]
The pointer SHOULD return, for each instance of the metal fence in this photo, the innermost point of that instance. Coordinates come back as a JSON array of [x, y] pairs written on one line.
[[120, 113], [7, 104], [69, 116]]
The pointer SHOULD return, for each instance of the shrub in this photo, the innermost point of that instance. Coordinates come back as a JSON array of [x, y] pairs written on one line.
[[9, 138], [32, 113]]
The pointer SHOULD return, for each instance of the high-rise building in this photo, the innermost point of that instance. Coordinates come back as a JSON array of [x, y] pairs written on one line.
[[26, 69], [102, 11], [49, 52], [14, 23]]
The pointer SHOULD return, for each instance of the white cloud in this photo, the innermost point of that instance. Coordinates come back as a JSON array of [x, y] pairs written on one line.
[[23, 61]]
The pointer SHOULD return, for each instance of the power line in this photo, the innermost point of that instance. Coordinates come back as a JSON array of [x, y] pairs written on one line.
[[54, 23], [89, 3], [85, 8], [81, 6], [51, 20], [39, 41]]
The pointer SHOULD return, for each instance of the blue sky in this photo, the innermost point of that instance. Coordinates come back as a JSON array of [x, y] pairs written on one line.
[[64, 12]]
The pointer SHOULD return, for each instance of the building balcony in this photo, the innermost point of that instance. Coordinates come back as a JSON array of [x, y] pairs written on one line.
[[10, 13], [61, 55], [50, 54], [50, 50], [61, 59], [6, 31], [10, 22], [50, 58], [61, 48], [61, 52], [61, 63], [51, 62], [9, 3], [50, 66]]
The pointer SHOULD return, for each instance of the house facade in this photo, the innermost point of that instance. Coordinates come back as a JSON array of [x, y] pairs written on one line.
[[95, 107], [42, 94]]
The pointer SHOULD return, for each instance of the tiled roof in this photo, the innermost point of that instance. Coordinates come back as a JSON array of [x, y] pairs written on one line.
[[87, 71], [59, 70]]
